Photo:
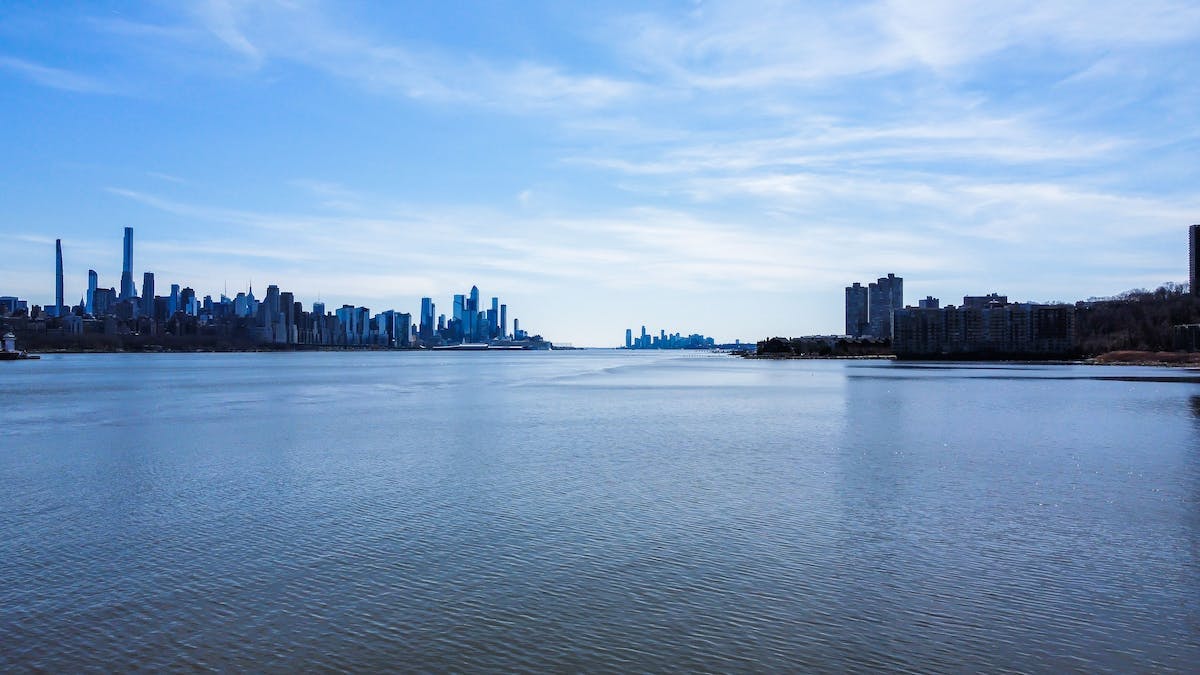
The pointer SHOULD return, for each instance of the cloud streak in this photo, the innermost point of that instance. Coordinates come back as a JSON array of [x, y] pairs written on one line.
[[56, 78]]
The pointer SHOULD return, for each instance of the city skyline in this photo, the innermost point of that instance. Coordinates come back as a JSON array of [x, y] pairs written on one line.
[[721, 167], [243, 320]]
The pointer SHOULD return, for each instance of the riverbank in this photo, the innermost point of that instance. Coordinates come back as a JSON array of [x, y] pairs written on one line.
[[1117, 358], [1146, 358]]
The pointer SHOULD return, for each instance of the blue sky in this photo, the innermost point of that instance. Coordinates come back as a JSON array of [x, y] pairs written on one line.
[[724, 168]]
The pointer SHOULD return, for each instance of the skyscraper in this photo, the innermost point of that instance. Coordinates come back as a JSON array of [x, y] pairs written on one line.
[[427, 318], [472, 327], [1194, 259], [127, 289], [460, 307], [885, 296], [503, 322], [856, 310], [89, 306], [629, 338], [148, 294], [58, 278]]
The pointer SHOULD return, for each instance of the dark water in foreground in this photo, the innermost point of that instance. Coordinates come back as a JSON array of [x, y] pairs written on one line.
[[595, 511]]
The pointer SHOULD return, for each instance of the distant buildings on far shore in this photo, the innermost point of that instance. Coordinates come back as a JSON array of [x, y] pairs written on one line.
[[276, 319], [983, 324], [665, 341]]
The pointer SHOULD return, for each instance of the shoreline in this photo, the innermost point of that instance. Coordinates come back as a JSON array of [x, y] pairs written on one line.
[[1117, 358]]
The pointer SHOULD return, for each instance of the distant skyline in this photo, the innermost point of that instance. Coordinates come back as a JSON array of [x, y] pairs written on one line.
[[723, 168]]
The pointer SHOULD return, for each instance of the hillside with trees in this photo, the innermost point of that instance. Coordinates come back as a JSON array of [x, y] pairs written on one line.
[[1138, 320]]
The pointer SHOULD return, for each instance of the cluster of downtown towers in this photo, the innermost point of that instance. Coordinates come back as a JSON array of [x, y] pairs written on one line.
[[275, 319]]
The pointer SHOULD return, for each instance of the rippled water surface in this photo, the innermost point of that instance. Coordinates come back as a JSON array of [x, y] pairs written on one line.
[[598, 511]]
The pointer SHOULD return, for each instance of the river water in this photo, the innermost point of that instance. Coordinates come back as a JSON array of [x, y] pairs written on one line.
[[595, 511]]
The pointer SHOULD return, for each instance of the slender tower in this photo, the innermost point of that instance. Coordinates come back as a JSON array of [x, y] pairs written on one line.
[[58, 277], [90, 298], [127, 289], [1194, 259]]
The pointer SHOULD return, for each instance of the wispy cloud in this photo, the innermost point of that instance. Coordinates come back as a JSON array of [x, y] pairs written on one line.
[[322, 38], [56, 78], [743, 45]]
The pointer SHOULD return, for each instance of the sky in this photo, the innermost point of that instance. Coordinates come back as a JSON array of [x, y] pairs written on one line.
[[725, 168]]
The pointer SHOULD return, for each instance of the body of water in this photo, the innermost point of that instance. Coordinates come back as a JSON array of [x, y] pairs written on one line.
[[595, 511]]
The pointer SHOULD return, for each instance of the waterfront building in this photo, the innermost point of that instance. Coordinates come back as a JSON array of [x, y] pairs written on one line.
[[856, 310], [929, 302], [503, 322], [885, 296], [991, 329], [128, 291], [629, 338], [173, 301]]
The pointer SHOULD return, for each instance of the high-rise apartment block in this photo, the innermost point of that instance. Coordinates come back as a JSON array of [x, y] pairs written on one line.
[[869, 310], [985, 326], [856, 310]]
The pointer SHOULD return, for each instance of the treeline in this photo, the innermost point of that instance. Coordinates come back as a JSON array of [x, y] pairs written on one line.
[[823, 347], [1139, 320]]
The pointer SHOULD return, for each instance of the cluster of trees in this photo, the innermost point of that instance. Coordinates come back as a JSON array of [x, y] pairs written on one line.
[[823, 347], [1138, 319]]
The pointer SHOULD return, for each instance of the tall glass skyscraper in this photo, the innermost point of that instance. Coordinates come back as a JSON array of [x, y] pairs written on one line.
[[90, 300], [127, 289], [427, 318], [58, 277]]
